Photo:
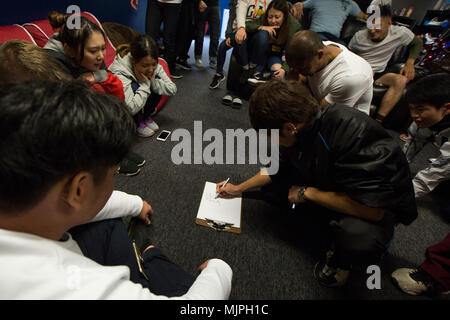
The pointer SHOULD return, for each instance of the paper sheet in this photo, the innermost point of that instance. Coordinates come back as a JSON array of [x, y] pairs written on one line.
[[219, 210]]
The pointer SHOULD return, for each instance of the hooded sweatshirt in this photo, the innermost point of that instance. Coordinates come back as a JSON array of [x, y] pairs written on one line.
[[160, 84], [248, 10]]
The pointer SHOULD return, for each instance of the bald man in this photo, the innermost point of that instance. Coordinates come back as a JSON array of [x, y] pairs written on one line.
[[334, 74]]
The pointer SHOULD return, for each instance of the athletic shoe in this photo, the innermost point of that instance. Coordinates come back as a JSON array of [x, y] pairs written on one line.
[[183, 64], [144, 131], [136, 158], [198, 63], [216, 81], [213, 62], [416, 281], [330, 277], [175, 74], [151, 124], [128, 168], [257, 79]]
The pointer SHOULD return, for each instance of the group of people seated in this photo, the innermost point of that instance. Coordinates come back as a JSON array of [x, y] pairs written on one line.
[[61, 233]]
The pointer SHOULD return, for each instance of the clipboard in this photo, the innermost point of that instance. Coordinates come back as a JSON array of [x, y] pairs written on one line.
[[219, 214]]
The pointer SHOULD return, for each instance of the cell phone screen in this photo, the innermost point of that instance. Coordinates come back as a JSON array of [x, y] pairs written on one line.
[[163, 135]]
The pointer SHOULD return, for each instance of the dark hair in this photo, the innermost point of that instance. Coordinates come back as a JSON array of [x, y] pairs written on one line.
[[21, 60], [433, 89], [303, 46], [141, 47], [58, 130], [75, 38], [280, 5], [277, 102], [385, 11]]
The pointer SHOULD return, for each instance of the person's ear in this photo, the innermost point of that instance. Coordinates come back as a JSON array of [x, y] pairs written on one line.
[[289, 129], [320, 53], [77, 188], [447, 108]]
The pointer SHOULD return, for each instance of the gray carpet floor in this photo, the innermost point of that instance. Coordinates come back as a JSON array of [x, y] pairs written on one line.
[[274, 256]]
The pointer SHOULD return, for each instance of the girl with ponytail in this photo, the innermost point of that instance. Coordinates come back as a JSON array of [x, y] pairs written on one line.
[[144, 81]]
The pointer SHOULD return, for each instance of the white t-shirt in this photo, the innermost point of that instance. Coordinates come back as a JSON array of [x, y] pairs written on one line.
[[346, 80], [378, 54], [33, 267]]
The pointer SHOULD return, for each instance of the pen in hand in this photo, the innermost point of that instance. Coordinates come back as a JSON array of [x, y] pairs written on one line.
[[223, 186]]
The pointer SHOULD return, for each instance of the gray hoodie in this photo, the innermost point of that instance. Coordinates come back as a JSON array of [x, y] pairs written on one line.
[[160, 83]]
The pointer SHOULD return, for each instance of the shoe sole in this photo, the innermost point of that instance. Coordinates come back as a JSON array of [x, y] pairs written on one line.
[[176, 77], [129, 174], [183, 67], [218, 83]]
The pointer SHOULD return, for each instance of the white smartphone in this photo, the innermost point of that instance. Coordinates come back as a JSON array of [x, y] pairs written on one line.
[[163, 135]]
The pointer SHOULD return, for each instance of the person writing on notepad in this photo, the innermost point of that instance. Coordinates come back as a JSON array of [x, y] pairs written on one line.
[[331, 167]]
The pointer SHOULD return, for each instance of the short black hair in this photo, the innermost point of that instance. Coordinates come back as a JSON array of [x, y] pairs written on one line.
[[385, 11], [433, 90], [53, 130]]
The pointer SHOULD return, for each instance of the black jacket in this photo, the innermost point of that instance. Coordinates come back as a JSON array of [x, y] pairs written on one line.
[[346, 151]]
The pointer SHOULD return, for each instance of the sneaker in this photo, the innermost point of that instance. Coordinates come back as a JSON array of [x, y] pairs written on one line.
[[128, 168], [136, 158], [330, 277], [416, 281], [198, 63], [175, 74], [144, 131], [257, 79], [183, 64], [213, 62], [216, 81], [151, 124]]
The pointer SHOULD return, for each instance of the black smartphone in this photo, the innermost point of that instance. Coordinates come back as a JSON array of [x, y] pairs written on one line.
[[163, 135]]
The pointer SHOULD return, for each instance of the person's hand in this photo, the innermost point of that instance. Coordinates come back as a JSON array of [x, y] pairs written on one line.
[[228, 192], [297, 10], [87, 77], [141, 76], [146, 213], [279, 74], [134, 3], [408, 71], [241, 35], [272, 30], [203, 266], [293, 195], [202, 6], [228, 42]]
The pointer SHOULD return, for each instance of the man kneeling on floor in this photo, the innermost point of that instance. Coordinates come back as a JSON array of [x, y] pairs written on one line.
[[60, 149], [336, 164]]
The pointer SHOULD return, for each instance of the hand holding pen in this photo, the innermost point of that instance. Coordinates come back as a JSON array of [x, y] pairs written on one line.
[[227, 190]]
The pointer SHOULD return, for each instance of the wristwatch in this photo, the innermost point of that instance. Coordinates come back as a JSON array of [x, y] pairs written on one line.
[[301, 193]]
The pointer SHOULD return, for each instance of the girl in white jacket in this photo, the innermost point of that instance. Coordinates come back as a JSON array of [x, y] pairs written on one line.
[[144, 81]]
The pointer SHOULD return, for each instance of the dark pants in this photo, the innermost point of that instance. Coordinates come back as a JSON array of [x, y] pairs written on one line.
[[149, 107], [325, 36], [212, 16], [169, 14], [437, 262], [186, 29], [107, 243], [354, 241], [259, 49], [241, 53]]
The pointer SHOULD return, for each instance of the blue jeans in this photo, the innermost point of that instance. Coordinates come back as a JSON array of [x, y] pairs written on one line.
[[212, 16], [259, 49], [241, 52]]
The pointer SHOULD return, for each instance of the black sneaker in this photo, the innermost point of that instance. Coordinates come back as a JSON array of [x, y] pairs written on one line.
[[136, 158], [330, 277], [257, 79], [216, 81], [183, 64], [175, 74], [416, 281], [128, 168]]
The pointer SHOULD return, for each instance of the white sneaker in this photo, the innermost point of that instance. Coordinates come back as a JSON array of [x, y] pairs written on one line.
[[144, 131], [151, 124], [198, 63]]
